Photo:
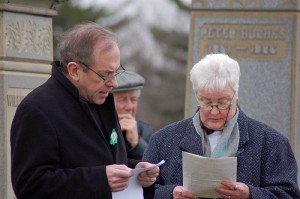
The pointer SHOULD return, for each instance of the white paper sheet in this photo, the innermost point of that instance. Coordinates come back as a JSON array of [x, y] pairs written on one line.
[[134, 189], [202, 174]]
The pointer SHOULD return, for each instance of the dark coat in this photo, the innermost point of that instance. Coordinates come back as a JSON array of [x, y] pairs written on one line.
[[145, 132], [265, 161], [58, 149]]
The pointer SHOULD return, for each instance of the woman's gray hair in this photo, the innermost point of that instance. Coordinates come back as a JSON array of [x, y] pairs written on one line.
[[77, 44], [214, 72]]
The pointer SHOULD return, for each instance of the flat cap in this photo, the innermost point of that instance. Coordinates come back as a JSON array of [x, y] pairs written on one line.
[[129, 80]]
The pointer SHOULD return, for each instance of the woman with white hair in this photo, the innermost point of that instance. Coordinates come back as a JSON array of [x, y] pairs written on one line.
[[218, 129]]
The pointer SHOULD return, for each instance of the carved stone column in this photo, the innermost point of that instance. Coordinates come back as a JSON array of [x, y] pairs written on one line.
[[264, 36], [26, 51]]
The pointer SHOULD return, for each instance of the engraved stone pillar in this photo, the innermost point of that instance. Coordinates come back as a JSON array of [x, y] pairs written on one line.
[[264, 37], [26, 51]]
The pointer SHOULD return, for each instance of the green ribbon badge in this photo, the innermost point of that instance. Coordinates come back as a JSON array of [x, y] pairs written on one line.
[[113, 137]]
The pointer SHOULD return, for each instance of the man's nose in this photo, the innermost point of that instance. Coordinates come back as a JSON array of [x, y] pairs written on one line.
[[112, 82], [128, 104]]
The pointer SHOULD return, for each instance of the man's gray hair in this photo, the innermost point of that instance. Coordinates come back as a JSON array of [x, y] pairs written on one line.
[[77, 44]]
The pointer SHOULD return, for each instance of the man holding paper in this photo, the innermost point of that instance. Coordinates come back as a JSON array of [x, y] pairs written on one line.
[[265, 165], [66, 139]]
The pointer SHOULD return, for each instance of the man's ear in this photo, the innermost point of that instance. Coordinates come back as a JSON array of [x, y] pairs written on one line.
[[73, 70]]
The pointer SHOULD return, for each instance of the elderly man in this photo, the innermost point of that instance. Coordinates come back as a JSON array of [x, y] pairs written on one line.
[[65, 135], [136, 132]]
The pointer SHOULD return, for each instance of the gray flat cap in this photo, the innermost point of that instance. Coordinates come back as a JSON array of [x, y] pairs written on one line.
[[129, 80]]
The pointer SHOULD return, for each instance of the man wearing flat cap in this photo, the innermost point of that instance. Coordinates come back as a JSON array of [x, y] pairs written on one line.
[[126, 96]]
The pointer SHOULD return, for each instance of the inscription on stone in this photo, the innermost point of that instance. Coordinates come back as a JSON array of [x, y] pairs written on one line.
[[244, 41], [246, 3], [14, 100]]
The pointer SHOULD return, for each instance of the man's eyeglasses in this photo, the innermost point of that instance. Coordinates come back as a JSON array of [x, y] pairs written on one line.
[[109, 76], [207, 107]]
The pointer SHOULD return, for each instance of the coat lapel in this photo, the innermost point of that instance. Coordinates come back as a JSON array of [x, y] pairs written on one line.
[[191, 141], [243, 127], [109, 117]]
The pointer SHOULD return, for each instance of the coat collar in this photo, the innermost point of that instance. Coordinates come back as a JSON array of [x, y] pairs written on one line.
[[63, 80], [243, 128], [190, 140], [106, 111], [190, 136]]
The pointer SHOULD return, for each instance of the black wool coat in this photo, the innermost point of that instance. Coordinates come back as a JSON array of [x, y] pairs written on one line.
[[58, 150]]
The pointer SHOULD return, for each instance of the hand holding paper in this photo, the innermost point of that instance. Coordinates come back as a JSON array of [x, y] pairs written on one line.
[[134, 189], [148, 177], [202, 175], [118, 176]]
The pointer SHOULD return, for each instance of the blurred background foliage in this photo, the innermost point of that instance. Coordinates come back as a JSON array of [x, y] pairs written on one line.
[[153, 38]]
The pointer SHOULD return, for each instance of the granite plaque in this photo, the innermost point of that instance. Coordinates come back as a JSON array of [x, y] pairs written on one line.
[[263, 46]]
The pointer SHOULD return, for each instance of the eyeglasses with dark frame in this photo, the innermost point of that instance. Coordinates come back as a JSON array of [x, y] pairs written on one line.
[[218, 106], [120, 70]]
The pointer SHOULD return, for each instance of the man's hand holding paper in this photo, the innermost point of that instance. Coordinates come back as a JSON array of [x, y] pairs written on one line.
[[143, 175]]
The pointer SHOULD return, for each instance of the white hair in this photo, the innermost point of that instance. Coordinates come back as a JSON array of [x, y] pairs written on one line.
[[214, 72], [138, 91]]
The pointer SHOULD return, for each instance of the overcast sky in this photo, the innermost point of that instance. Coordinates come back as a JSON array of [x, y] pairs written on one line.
[[146, 14], [160, 12]]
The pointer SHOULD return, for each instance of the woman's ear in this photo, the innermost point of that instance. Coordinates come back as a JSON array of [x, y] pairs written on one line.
[[73, 70]]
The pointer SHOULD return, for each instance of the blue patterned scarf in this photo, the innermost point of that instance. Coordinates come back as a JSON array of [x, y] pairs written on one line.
[[228, 143]]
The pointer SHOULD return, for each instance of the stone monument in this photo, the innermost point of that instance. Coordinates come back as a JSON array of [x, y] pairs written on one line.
[[264, 37], [26, 51]]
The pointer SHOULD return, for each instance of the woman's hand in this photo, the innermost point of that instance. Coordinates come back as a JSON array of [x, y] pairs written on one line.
[[233, 190], [180, 193]]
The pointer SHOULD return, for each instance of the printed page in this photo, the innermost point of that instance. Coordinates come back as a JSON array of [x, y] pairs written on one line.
[[202, 174]]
